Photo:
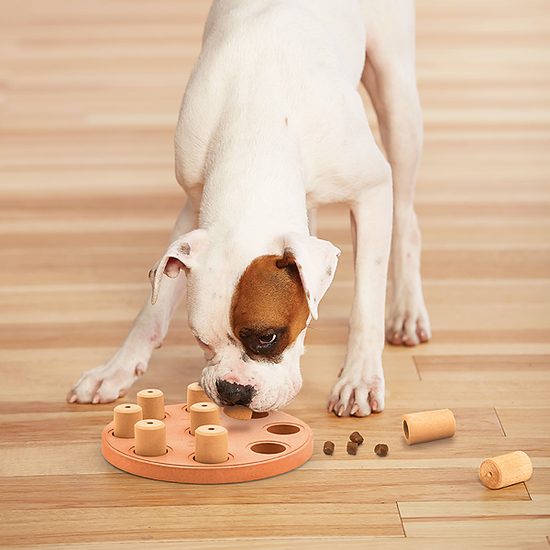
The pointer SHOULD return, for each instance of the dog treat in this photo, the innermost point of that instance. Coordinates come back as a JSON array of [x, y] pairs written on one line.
[[381, 449], [352, 447], [240, 412], [210, 444], [328, 448], [425, 426], [203, 413], [152, 403], [504, 470], [125, 416], [150, 437], [356, 437], [195, 394]]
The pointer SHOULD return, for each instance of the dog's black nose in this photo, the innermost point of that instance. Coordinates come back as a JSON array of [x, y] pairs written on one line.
[[234, 394]]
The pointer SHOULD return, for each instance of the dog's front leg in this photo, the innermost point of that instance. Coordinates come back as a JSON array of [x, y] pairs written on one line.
[[359, 389], [114, 378]]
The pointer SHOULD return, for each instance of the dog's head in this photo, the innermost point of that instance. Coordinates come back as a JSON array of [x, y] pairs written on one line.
[[249, 314]]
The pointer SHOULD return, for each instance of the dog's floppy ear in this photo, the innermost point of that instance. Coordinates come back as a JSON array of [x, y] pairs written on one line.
[[316, 261], [181, 254]]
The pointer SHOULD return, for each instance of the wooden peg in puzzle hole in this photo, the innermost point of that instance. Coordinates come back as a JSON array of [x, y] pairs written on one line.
[[150, 437], [125, 416], [211, 444], [203, 413], [152, 403], [195, 394]]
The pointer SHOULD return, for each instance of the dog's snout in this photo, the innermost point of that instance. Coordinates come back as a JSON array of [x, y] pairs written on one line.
[[234, 394]]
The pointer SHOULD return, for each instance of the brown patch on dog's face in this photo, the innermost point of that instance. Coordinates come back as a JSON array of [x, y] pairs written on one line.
[[269, 307]]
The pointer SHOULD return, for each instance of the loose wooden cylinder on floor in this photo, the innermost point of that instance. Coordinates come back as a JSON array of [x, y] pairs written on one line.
[[203, 413], [152, 403], [211, 444], [195, 394], [125, 416], [150, 437], [428, 426], [504, 470]]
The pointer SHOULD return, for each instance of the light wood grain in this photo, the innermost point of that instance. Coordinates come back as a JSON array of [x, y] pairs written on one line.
[[89, 96]]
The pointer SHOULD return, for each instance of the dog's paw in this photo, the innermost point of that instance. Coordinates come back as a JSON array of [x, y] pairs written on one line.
[[407, 321], [355, 394], [106, 383]]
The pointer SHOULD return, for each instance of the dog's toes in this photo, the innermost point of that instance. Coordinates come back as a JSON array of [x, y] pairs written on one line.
[[412, 331], [356, 397], [71, 397], [105, 383], [394, 332], [423, 330], [361, 407]]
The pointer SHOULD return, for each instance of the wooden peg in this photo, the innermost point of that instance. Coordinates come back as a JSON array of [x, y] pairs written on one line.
[[425, 426], [152, 403], [210, 444], [125, 416], [203, 413], [504, 470], [195, 394], [150, 437]]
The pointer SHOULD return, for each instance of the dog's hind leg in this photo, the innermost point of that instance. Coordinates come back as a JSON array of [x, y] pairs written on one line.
[[112, 380], [390, 79]]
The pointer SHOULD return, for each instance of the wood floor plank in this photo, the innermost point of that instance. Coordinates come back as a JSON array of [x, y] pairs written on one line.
[[123, 523], [326, 543]]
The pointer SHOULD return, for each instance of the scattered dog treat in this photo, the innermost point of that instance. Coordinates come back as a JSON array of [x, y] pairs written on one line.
[[240, 412], [504, 470], [352, 448], [381, 449], [356, 437], [328, 448]]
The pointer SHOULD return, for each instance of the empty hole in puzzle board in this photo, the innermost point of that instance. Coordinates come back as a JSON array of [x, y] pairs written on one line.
[[283, 429], [268, 448], [259, 414]]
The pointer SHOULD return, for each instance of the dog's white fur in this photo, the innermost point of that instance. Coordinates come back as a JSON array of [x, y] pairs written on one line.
[[272, 125]]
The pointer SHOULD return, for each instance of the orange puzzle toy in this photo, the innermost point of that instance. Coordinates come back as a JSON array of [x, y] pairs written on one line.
[[232, 449]]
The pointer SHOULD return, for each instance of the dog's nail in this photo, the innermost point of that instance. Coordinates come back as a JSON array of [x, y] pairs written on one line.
[[73, 398], [341, 410], [354, 409], [374, 405], [95, 400]]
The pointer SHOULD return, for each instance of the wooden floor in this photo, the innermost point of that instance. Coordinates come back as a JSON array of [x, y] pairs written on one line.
[[89, 94]]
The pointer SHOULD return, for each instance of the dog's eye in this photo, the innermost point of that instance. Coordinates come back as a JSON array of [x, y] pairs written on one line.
[[267, 339]]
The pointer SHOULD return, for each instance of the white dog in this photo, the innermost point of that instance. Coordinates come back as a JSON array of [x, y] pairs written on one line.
[[271, 126]]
